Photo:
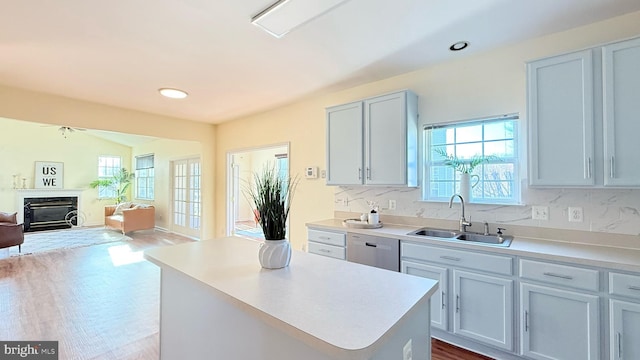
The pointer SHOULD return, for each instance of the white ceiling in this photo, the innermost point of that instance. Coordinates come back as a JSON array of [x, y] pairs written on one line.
[[120, 52]]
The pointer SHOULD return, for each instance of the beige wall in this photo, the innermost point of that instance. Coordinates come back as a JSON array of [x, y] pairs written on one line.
[[473, 86], [23, 143], [50, 109]]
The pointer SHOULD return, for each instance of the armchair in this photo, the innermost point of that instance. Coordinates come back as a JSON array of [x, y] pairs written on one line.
[[11, 233]]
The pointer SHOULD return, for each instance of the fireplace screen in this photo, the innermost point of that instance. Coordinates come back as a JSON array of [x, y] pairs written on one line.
[[49, 213]]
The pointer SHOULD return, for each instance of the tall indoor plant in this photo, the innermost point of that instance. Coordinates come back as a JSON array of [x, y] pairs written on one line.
[[120, 181], [271, 194]]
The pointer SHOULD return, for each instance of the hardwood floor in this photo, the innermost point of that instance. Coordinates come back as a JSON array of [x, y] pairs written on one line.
[[99, 302]]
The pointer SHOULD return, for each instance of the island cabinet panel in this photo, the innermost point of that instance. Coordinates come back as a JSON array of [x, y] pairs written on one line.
[[374, 141]]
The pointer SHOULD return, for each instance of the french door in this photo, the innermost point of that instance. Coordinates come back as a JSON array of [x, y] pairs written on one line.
[[186, 202]]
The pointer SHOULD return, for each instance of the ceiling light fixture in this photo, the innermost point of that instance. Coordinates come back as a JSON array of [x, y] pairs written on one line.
[[173, 93], [285, 15], [460, 45]]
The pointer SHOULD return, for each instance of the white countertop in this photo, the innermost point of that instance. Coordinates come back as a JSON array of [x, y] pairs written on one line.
[[328, 303], [617, 258]]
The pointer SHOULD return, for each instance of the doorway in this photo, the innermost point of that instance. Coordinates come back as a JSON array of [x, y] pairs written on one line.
[[241, 165], [186, 197]]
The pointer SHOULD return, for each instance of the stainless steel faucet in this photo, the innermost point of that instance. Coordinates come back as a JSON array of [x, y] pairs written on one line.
[[463, 222]]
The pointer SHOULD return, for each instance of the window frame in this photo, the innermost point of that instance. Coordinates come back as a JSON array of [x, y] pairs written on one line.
[[110, 192], [145, 176], [514, 160]]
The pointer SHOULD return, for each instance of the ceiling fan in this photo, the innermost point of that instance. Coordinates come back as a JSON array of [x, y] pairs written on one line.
[[65, 130]]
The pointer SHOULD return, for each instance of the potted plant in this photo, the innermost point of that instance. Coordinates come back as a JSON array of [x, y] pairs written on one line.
[[465, 167], [271, 195], [120, 181]]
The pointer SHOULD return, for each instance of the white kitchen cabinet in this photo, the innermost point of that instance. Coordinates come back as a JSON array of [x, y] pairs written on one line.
[[481, 304], [344, 144], [558, 323], [374, 141], [439, 300], [583, 117], [621, 107], [327, 243], [625, 330], [484, 308], [561, 120]]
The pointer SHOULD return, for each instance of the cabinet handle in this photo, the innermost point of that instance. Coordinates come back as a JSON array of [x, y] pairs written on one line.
[[457, 303], [619, 345], [443, 299], [449, 258], [637, 288], [359, 173], [368, 173], [612, 172], [589, 168], [370, 244], [324, 250], [324, 237], [526, 321], [567, 277]]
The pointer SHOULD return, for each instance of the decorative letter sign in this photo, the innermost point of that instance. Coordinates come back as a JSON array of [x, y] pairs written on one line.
[[49, 175]]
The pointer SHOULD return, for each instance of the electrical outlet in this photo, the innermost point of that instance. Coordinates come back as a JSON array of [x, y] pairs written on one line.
[[540, 212], [407, 353], [575, 214], [392, 204]]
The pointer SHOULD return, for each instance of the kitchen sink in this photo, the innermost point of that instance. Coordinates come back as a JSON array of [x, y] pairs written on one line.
[[503, 240], [435, 233]]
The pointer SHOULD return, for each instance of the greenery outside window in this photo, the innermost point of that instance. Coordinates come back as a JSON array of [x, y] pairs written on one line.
[[107, 167], [145, 177], [495, 140]]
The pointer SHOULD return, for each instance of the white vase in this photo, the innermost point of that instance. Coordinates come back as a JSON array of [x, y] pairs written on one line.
[[465, 185], [275, 254]]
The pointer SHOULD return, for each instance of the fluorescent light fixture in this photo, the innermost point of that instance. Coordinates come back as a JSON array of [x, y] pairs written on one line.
[[173, 93], [285, 15]]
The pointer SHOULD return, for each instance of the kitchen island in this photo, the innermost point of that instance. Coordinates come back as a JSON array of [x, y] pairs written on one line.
[[216, 302]]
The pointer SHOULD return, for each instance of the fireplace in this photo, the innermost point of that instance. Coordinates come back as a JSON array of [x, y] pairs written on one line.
[[49, 213], [47, 209]]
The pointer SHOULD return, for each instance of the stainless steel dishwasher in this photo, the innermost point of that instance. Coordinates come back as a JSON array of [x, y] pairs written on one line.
[[376, 251]]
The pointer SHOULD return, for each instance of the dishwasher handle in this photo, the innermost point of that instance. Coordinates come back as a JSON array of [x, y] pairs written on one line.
[[371, 244]]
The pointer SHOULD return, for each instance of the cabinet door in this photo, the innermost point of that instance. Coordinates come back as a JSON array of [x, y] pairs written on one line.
[[625, 330], [386, 140], [484, 308], [558, 324], [344, 144], [439, 318], [560, 110], [621, 80]]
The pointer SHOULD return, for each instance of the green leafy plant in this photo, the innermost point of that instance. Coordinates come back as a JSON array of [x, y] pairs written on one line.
[[271, 194], [464, 165], [120, 181]]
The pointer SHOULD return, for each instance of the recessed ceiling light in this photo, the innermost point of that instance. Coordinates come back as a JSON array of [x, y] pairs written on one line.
[[460, 45], [173, 93]]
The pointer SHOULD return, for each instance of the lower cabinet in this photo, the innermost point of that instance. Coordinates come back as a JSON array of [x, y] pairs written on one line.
[[439, 307], [559, 324], [327, 243], [484, 308], [625, 330]]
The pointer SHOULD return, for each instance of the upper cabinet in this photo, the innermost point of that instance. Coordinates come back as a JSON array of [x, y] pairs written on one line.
[[621, 108], [374, 141], [583, 117]]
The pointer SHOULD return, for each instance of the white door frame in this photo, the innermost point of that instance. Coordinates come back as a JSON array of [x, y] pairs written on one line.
[[196, 234], [230, 193]]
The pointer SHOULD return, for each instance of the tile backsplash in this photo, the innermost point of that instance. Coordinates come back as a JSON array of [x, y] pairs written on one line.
[[615, 211]]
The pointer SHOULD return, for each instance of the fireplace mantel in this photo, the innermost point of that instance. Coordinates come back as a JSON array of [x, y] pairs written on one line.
[[43, 193]]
